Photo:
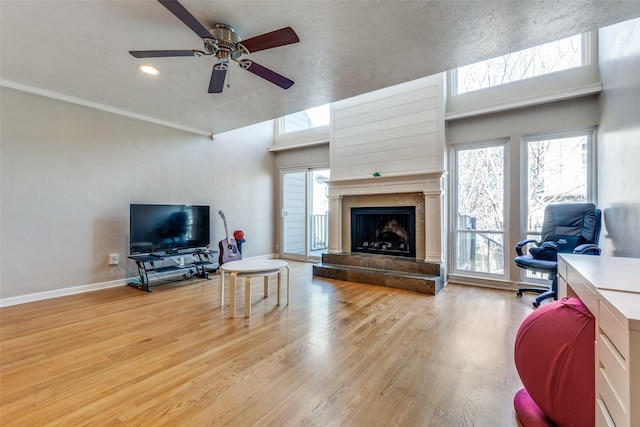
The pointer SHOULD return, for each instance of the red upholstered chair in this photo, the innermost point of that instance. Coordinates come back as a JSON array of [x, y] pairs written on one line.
[[554, 356]]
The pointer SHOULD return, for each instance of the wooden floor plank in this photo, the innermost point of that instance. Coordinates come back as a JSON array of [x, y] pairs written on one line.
[[340, 354]]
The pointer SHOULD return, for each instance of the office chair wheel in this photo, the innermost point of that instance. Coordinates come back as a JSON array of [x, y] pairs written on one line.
[[519, 294], [536, 304]]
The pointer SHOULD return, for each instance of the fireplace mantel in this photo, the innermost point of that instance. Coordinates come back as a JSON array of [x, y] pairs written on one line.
[[427, 183], [430, 185]]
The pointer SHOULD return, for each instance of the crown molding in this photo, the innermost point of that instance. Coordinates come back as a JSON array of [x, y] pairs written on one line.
[[102, 107]]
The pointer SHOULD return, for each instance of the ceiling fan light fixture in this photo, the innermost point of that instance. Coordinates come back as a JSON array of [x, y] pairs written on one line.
[[148, 69]]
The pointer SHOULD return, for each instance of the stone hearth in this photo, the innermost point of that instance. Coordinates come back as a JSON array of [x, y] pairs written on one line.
[[382, 270]]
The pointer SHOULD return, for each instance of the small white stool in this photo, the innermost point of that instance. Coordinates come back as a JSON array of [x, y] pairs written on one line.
[[250, 269]]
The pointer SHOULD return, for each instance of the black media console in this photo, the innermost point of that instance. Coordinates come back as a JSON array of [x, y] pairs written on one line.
[[202, 261]]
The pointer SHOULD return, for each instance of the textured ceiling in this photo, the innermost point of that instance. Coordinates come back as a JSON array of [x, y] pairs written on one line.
[[79, 49]]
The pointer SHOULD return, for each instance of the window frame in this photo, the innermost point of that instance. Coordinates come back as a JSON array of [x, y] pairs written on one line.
[[456, 272], [557, 86], [586, 59], [307, 137], [591, 175], [590, 133]]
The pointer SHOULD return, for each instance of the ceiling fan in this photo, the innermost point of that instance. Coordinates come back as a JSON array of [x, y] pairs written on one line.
[[223, 43]]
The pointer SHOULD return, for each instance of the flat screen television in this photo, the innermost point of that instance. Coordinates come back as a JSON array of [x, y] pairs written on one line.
[[168, 228]]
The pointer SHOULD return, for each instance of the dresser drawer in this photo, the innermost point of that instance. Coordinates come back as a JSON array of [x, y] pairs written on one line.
[[603, 419], [614, 329], [612, 400], [614, 367]]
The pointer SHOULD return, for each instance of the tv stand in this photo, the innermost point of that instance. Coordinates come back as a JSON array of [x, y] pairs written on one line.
[[147, 264]]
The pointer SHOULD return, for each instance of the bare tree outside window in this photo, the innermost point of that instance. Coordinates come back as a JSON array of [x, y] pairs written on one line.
[[557, 173], [480, 204], [544, 59]]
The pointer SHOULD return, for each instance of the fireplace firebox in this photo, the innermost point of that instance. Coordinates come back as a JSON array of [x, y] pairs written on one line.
[[384, 230]]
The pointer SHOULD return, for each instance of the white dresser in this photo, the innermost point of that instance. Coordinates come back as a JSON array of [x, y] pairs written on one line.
[[610, 288]]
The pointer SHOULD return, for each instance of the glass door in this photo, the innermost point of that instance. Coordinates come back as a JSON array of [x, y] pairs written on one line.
[[319, 212], [479, 210], [304, 213], [293, 214]]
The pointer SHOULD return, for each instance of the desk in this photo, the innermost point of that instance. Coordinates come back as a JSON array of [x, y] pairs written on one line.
[[610, 288], [248, 269]]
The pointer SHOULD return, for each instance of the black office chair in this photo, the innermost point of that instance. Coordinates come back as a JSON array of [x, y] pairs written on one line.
[[566, 228]]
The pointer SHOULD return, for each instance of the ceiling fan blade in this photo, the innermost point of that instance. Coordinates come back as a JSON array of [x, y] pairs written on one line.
[[161, 53], [276, 38], [266, 74], [217, 78], [183, 14]]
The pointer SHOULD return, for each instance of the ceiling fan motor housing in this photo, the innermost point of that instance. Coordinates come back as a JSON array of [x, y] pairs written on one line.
[[225, 39]]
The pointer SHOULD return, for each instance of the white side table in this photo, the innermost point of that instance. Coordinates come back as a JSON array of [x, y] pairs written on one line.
[[249, 269]]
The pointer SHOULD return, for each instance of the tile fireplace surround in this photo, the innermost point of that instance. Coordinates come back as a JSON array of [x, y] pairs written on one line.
[[424, 191]]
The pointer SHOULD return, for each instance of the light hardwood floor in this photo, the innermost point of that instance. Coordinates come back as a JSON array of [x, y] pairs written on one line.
[[342, 354]]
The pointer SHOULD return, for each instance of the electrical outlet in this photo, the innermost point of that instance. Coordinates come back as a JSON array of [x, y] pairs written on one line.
[[114, 259], [277, 247]]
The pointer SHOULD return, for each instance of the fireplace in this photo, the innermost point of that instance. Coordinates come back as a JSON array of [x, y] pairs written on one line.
[[408, 206], [384, 230], [423, 191]]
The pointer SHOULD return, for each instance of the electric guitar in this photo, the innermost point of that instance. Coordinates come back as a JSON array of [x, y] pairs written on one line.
[[228, 247]]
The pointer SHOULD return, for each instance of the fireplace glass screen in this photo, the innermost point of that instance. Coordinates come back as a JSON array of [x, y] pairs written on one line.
[[384, 230]]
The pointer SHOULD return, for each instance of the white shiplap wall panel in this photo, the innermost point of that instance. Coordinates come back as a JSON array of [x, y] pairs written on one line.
[[377, 141], [395, 131], [380, 124], [373, 158], [391, 135], [385, 98], [389, 168], [399, 110], [353, 154]]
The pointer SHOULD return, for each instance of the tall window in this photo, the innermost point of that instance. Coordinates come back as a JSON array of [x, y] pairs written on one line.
[[544, 59], [480, 182], [558, 171]]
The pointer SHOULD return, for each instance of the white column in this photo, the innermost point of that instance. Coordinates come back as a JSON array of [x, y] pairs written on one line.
[[335, 224], [433, 226]]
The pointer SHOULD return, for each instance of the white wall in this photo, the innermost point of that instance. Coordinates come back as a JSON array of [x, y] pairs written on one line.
[[619, 138], [69, 174]]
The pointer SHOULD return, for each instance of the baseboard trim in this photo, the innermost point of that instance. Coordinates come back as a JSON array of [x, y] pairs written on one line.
[[39, 296]]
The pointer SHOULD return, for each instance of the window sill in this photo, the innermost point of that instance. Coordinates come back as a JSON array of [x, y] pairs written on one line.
[[498, 283], [293, 146], [576, 92]]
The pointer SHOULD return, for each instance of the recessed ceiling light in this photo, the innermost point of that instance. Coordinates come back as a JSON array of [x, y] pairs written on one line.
[[148, 69]]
